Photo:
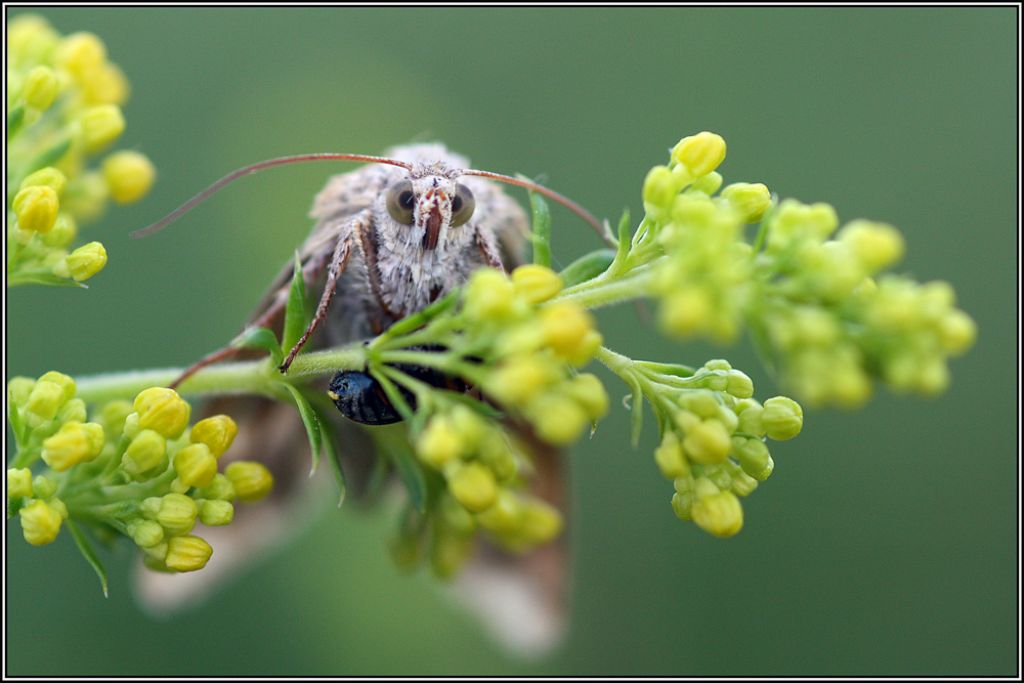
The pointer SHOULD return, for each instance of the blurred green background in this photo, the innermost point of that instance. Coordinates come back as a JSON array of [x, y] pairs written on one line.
[[885, 542]]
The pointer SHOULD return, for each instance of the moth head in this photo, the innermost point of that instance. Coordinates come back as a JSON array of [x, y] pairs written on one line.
[[431, 205]]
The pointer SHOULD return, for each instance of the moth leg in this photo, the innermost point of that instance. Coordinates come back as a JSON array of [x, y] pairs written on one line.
[[337, 266], [274, 309], [489, 251]]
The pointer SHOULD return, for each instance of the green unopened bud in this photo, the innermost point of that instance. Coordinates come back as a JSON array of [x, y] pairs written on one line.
[[58, 505], [540, 522], [219, 489], [36, 208], [40, 522], [753, 456], [40, 88], [660, 189], [719, 514], [558, 419], [112, 416], [749, 200], [489, 295], [86, 196], [783, 418], [19, 482], [684, 498], [251, 480], [129, 175], [84, 262], [43, 486], [62, 233], [473, 485], [216, 512], [701, 153], [146, 455], [708, 184], [875, 245], [670, 458], [217, 432], [195, 465], [163, 411], [46, 177], [80, 53], [707, 443], [502, 518], [72, 411], [187, 553], [74, 443], [750, 419], [146, 533], [19, 389], [536, 283], [177, 513], [957, 332], [100, 126]]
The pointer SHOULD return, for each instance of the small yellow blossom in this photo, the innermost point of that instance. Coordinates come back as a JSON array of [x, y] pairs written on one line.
[[163, 411], [473, 485], [440, 443], [36, 208], [40, 88], [101, 125], [216, 512], [145, 456], [187, 553], [129, 175], [19, 482], [75, 442], [86, 261], [40, 522], [701, 153], [536, 283], [195, 465], [251, 480]]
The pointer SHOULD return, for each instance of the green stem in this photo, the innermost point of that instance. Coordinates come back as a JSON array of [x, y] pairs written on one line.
[[248, 377], [603, 291]]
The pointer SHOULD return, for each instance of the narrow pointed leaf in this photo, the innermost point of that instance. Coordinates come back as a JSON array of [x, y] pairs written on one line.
[[261, 339], [541, 224], [296, 313], [85, 547], [312, 424]]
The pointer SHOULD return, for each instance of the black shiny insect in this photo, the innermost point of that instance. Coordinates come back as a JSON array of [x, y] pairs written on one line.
[[361, 398]]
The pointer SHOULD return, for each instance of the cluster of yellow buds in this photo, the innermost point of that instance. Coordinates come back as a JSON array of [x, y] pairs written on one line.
[[136, 468], [806, 287], [484, 470], [63, 108], [534, 345]]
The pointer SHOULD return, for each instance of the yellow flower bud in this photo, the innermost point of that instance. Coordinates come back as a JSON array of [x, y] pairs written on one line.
[[195, 465], [251, 480], [84, 262], [177, 514], [783, 418], [62, 233], [40, 522], [80, 53], [74, 443], [40, 88], [660, 189], [217, 432], [105, 85], [456, 516], [101, 125], [72, 411], [43, 486], [145, 456], [46, 177], [468, 425], [504, 516], [36, 208], [19, 482], [707, 443], [58, 505], [750, 200], [557, 419], [588, 391], [566, 327], [957, 332], [440, 443], [473, 485], [520, 378], [670, 458], [216, 512], [536, 283], [719, 514], [66, 384], [146, 533], [187, 553], [489, 295], [129, 175], [686, 311], [875, 245], [540, 522], [701, 153], [163, 411]]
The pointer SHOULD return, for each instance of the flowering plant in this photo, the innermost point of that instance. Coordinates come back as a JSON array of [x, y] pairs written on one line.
[[484, 378]]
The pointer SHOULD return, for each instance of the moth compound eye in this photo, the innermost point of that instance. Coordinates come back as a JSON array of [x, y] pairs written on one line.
[[462, 205], [400, 201]]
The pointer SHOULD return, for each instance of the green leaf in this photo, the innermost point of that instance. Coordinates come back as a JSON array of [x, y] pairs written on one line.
[[50, 157], [541, 223], [89, 554], [392, 442], [417, 320], [587, 267], [260, 339], [296, 313], [636, 423], [333, 459], [39, 277], [311, 422]]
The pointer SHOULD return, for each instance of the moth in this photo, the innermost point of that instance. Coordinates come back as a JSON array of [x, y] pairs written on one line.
[[390, 238]]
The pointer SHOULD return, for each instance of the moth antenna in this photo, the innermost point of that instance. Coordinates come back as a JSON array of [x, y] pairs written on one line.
[[600, 228], [254, 168]]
